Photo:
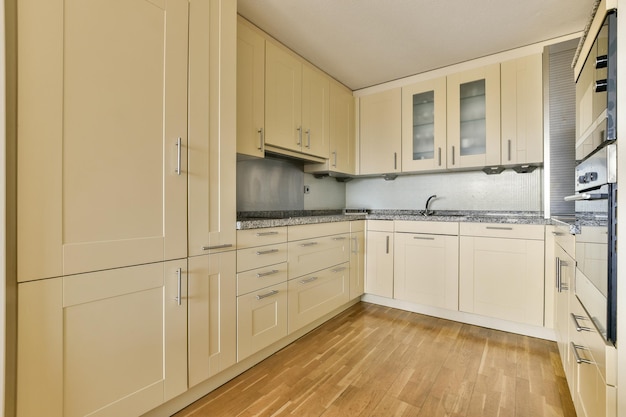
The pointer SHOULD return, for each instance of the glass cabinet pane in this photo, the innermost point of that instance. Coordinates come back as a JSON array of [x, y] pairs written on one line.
[[473, 122], [424, 125]]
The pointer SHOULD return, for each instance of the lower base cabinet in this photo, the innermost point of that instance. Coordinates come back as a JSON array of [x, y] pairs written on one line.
[[109, 343], [379, 258], [314, 295], [212, 315], [357, 259]]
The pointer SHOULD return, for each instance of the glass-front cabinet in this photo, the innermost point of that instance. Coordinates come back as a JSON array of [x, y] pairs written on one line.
[[424, 126], [473, 100]]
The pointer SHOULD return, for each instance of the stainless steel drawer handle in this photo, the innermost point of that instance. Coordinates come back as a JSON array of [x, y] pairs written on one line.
[[266, 252], [179, 150], [269, 294], [266, 274], [307, 280], [498, 228], [340, 238], [224, 246], [558, 274], [266, 234], [341, 268], [423, 238], [304, 245], [575, 348], [577, 325], [179, 286]]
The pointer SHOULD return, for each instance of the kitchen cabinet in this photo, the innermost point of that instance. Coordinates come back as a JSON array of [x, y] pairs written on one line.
[[296, 103], [502, 271], [261, 289], [424, 126], [357, 258], [522, 110], [102, 175], [426, 263], [342, 156], [211, 139], [379, 258], [380, 132], [473, 123], [250, 89], [324, 245], [212, 315], [110, 342]]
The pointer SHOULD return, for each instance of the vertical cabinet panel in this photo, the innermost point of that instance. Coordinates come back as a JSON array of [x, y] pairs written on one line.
[[357, 263], [380, 132], [379, 264], [315, 112], [250, 90], [212, 144], [424, 126], [212, 315], [108, 210], [342, 140]]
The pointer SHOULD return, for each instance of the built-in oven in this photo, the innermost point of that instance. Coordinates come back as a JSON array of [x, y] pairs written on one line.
[[596, 261]]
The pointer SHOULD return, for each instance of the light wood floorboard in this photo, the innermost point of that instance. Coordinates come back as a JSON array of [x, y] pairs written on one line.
[[375, 361]]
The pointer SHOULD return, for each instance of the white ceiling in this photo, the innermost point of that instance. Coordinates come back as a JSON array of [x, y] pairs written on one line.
[[367, 42]]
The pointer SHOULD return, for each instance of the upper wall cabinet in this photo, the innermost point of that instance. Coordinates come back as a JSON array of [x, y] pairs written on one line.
[[380, 132], [424, 126], [296, 104], [474, 117], [250, 89], [102, 173], [522, 110]]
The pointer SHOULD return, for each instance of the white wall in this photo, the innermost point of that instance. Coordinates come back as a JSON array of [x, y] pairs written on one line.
[[507, 191]]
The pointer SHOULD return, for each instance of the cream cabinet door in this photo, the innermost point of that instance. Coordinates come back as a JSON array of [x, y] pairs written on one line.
[[357, 264], [563, 281], [250, 89], [424, 126], [342, 137], [312, 296], [380, 128], [426, 269], [103, 343], [502, 278], [212, 146], [379, 264], [212, 315], [522, 110], [261, 319], [315, 112], [309, 255], [283, 98], [102, 173], [473, 102]]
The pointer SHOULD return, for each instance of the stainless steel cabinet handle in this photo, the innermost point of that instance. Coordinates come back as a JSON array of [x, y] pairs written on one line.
[[423, 237], [304, 245], [586, 196], [299, 129], [499, 228], [179, 277], [387, 244], [307, 280], [577, 325], [308, 138], [509, 150], [341, 268], [558, 274], [260, 132], [269, 294], [395, 160], [452, 154], [266, 274], [340, 238], [575, 348], [557, 234], [266, 233], [335, 159], [355, 245], [179, 151], [226, 245], [439, 155], [266, 252]]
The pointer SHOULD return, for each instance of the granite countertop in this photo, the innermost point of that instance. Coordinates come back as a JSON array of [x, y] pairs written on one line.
[[256, 220]]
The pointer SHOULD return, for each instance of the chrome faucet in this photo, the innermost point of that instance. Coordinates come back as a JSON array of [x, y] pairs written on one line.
[[427, 210]]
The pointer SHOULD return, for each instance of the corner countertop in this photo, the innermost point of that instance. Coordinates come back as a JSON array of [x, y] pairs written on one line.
[[257, 220]]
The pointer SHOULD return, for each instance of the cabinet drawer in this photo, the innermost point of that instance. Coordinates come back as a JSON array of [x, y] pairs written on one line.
[[257, 257], [312, 296], [504, 230], [260, 237], [260, 278], [261, 319], [380, 225], [435, 228], [311, 255], [309, 231]]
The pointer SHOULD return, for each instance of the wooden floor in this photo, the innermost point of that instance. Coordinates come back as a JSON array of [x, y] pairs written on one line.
[[377, 361]]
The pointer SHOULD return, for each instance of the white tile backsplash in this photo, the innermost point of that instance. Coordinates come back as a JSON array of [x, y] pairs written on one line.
[[507, 191]]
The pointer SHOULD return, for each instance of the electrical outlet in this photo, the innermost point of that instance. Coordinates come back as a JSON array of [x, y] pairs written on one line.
[[307, 189]]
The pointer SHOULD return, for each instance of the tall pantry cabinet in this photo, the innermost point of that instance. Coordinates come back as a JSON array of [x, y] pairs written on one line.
[[126, 142]]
